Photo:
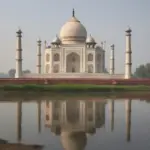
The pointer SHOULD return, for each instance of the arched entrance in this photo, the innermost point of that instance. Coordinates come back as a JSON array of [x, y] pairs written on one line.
[[73, 63]]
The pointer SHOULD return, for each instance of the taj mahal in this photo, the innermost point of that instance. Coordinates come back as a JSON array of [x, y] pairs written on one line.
[[74, 54]]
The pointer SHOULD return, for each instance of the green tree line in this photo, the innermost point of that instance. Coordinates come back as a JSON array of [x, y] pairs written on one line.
[[12, 72], [143, 71]]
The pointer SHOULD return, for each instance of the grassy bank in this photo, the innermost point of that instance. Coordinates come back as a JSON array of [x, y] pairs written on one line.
[[74, 88]]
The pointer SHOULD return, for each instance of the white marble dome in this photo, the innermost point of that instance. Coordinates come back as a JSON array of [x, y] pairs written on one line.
[[90, 39], [73, 32]]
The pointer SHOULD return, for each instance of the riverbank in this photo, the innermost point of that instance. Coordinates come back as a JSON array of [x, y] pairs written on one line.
[[19, 147], [4, 145], [74, 88]]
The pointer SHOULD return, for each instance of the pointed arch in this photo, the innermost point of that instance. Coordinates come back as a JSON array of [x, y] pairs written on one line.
[[47, 57], [73, 63], [90, 68], [47, 67], [56, 57], [90, 57], [56, 68]]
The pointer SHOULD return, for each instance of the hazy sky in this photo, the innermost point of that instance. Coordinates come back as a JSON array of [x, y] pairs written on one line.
[[104, 19]]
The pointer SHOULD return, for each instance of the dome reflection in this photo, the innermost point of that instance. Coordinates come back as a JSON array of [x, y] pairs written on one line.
[[73, 140], [74, 120]]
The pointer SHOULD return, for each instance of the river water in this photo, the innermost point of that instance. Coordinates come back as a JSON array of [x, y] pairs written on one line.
[[96, 123]]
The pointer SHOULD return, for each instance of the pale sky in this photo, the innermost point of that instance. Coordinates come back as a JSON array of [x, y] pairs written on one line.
[[104, 19]]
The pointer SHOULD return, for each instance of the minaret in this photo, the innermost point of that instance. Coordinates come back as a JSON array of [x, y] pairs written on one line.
[[112, 103], [104, 47], [19, 55], [102, 44], [39, 56], [128, 119], [112, 59], [19, 121], [128, 59], [45, 44]]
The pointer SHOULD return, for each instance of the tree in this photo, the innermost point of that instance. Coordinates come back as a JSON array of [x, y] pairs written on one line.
[[143, 71], [12, 73]]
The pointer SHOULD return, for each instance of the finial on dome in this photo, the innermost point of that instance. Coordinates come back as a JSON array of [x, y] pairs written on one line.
[[73, 13]]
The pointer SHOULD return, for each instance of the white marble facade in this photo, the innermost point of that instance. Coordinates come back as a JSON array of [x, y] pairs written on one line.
[[73, 51]]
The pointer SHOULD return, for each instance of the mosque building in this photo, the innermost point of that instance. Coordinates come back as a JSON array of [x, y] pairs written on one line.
[[73, 53]]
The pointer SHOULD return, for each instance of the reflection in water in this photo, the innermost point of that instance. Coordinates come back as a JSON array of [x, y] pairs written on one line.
[[39, 116], [19, 120], [128, 118], [74, 120], [112, 104], [72, 112]]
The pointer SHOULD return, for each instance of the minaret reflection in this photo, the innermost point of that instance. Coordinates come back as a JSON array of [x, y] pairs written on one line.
[[112, 104], [128, 119], [39, 116], [19, 121], [73, 120]]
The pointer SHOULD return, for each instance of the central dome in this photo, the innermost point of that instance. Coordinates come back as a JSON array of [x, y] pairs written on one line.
[[73, 32]]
